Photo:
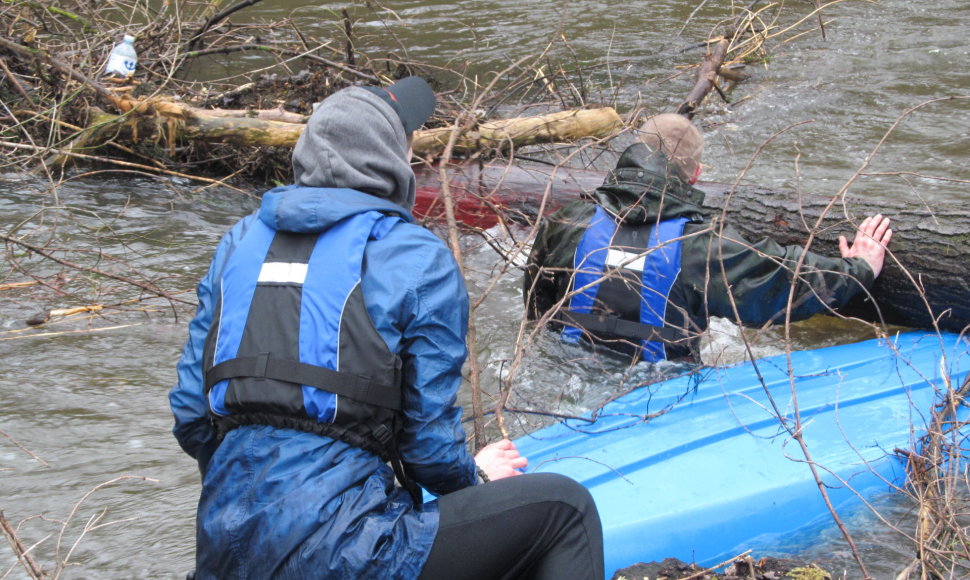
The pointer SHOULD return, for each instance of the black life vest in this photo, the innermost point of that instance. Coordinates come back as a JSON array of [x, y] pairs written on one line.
[[291, 343], [622, 282]]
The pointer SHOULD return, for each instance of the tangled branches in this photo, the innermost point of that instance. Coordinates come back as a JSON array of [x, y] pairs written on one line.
[[938, 482]]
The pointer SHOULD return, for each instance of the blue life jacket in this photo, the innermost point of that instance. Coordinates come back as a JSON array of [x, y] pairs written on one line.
[[292, 344], [623, 276]]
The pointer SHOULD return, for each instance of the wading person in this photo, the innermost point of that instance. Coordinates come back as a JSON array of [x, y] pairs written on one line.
[[318, 385], [639, 269]]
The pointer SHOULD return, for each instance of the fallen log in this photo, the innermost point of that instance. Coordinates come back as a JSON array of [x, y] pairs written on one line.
[[159, 119], [505, 134], [925, 282]]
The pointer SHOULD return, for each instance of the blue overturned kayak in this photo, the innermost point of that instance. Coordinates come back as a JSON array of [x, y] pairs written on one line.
[[701, 468]]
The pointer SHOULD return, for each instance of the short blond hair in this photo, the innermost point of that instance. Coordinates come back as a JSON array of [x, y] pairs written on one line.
[[677, 138]]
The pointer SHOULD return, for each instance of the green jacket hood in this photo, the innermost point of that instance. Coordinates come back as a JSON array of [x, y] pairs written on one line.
[[645, 186]]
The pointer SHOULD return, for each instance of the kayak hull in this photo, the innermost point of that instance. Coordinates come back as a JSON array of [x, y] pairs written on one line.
[[705, 466]]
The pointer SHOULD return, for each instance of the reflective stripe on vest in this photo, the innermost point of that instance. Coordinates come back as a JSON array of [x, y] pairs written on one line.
[[655, 260]]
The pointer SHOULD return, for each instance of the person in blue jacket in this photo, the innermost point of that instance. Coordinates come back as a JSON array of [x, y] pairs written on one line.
[[318, 385]]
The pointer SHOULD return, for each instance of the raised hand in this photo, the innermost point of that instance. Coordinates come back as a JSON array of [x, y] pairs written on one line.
[[870, 242]]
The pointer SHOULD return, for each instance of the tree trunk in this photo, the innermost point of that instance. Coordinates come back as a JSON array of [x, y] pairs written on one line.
[[506, 134], [927, 274], [275, 128], [240, 131]]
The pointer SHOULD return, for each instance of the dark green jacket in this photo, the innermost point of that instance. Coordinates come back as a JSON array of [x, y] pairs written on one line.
[[720, 270]]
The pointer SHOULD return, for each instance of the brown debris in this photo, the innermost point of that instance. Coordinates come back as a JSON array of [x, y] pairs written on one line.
[[745, 568]]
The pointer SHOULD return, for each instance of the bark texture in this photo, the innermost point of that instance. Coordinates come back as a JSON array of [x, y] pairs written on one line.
[[507, 134], [706, 78]]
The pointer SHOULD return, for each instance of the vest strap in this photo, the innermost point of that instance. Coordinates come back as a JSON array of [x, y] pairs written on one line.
[[613, 325], [263, 366], [389, 444]]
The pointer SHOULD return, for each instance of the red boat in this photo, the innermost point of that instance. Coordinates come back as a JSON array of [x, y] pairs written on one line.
[[484, 194]]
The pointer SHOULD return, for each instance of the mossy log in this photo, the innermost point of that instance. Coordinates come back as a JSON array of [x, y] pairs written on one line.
[[157, 119], [507, 134], [925, 283]]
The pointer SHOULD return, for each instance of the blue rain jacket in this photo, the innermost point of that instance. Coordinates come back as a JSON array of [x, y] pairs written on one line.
[[290, 504]]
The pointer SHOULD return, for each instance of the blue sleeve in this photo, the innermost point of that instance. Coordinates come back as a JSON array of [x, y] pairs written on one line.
[[433, 351], [193, 429]]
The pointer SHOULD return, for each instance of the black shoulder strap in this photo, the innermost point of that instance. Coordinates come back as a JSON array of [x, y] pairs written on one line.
[[358, 388], [612, 325]]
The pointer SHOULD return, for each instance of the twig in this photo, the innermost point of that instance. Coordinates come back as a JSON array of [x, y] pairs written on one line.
[[218, 18], [12, 285], [706, 571], [463, 123], [67, 332], [349, 33], [64, 68], [16, 84], [283, 52], [31, 567], [149, 168], [61, 563], [48, 255], [24, 449]]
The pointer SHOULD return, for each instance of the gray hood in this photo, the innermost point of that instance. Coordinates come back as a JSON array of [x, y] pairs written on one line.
[[356, 140]]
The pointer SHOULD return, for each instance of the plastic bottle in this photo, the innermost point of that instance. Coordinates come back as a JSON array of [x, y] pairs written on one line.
[[123, 58]]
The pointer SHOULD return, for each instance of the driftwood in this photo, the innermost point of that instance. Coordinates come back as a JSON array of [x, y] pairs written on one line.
[[117, 118], [168, 120], [924, 283], [505, 134], [713, 65], [706, 78]]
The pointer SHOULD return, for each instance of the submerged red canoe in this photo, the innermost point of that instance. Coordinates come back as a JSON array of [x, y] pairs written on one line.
[[484, 194]]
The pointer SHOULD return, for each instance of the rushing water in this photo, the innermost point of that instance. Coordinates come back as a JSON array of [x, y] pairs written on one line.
[[83, 401]]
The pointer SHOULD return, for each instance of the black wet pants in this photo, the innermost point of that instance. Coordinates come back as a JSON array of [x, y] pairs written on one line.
[[540, 525]]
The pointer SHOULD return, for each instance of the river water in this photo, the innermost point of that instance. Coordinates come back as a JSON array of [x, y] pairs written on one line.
[[84, 419]]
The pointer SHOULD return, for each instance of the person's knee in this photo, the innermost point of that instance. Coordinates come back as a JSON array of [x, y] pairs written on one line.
[[577, 515], [567, 490]]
